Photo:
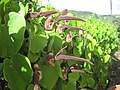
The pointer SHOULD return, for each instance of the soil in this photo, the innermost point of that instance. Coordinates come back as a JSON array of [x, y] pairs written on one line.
[[114, 72]]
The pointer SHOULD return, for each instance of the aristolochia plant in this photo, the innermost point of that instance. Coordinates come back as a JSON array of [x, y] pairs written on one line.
[[50, 59]]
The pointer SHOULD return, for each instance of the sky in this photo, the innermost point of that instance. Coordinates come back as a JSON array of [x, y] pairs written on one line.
[[101, 7]]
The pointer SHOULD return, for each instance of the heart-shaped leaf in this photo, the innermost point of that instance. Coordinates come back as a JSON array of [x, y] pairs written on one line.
[[18, 72]]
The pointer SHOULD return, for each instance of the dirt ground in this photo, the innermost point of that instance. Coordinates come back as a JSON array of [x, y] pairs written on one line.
[[114, 72]]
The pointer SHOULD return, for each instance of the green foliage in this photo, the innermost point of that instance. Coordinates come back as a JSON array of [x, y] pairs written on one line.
[[101, 40], [30, 53]]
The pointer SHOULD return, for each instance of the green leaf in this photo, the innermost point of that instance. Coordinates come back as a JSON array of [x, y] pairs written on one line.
[[71, 85], [107, 46], [12, 37], [80, 46], [3, 39], [33, 57], [57, 45], [2, 13], [106, 58], [63, 85], [15, 23], [12, 7], [1, 69], [26, 8], [59, 84], [109, 50], [18, 72], [93, 44], [89, 37], [99, 50], [75, 52], [22, 9], [50, 75], [113, 46], [91, 47], [91, 82], [71, 62], [84, 80], [89, 56], [50, 44], [5, 1], [37, 43], [87, 67], [74, 76]]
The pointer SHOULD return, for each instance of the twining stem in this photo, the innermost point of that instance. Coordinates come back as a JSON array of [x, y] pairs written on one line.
[[60, 51]]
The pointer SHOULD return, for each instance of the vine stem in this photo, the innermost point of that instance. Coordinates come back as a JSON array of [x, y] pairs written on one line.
[[60, 51]]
